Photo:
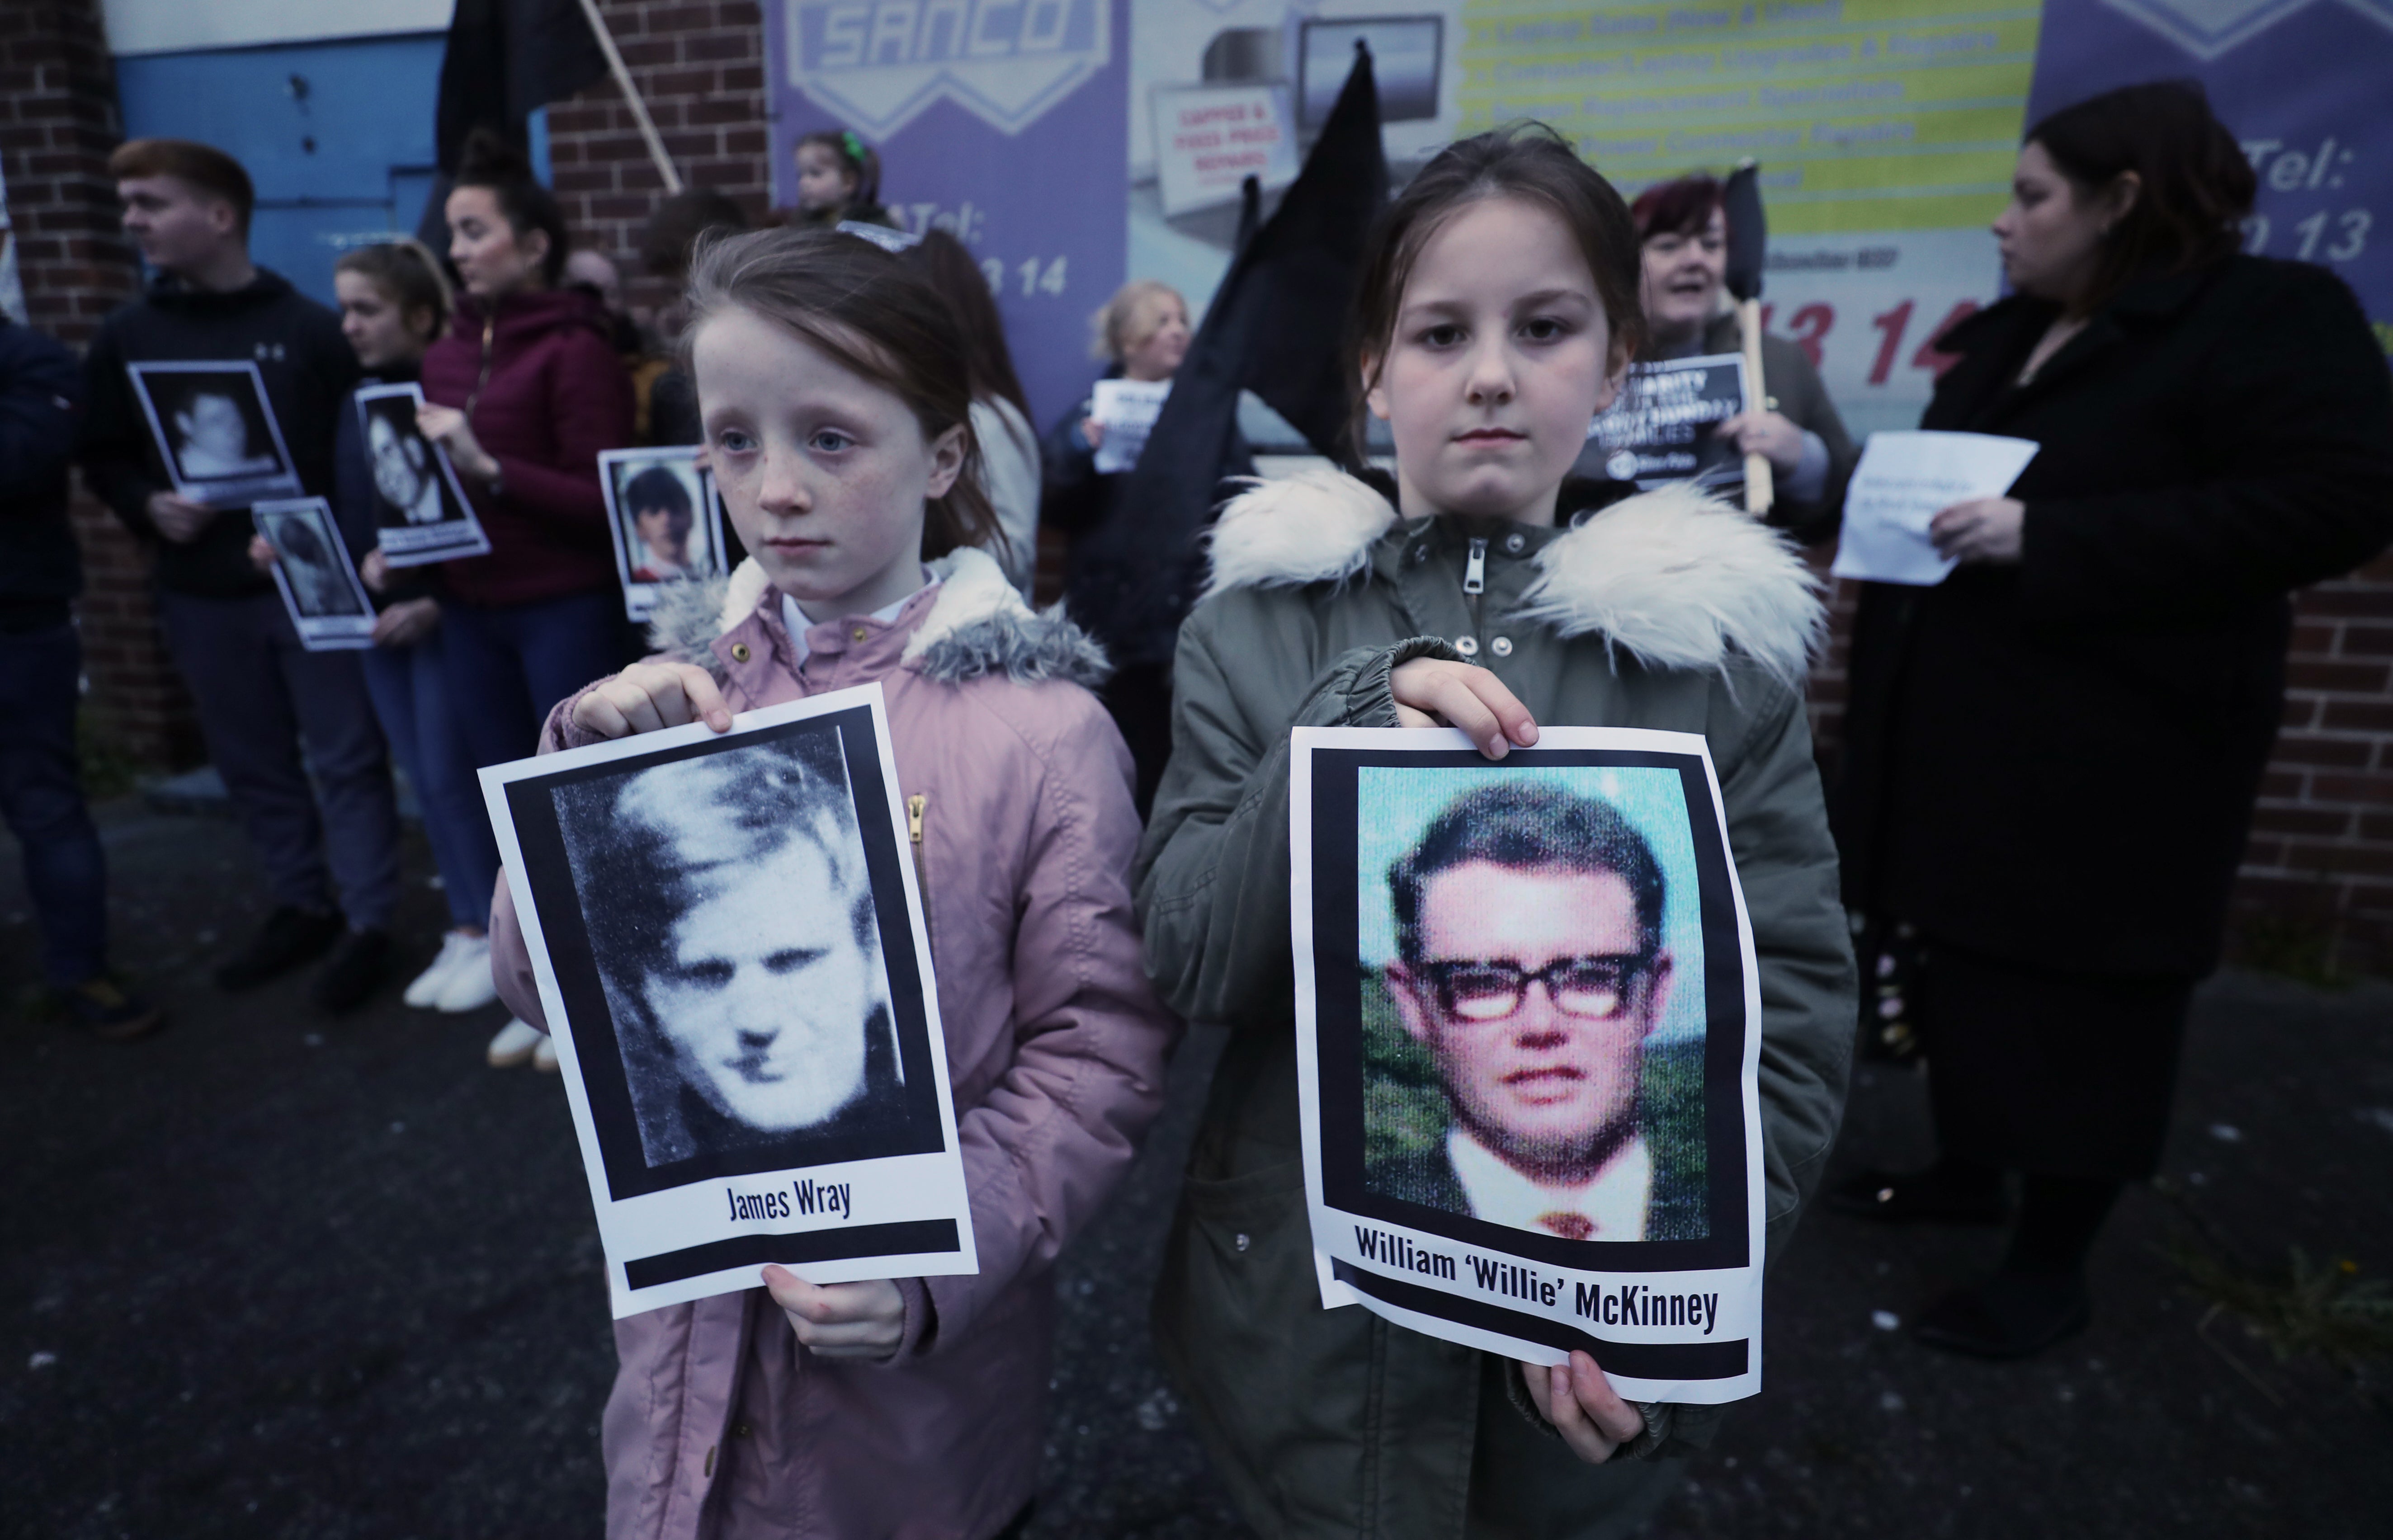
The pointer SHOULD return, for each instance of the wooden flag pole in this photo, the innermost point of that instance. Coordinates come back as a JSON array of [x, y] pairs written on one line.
[[1759, 490], [631, 94]]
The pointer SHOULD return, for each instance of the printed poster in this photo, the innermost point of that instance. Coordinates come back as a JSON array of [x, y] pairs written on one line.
[[1528, 1021], [730, 949]]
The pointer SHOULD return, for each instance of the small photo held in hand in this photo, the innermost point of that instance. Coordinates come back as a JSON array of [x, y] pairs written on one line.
[[421, 515], [730, 949], [666, 522], [1528, 1027], [320, 587], [215, 431]]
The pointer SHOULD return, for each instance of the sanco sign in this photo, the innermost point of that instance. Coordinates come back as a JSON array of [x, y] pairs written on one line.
[[879, 63]]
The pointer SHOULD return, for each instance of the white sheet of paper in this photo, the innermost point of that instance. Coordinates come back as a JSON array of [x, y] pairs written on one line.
[[1128, 409], [1905, 480]]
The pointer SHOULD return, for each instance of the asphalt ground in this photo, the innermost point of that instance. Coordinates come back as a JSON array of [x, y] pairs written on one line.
[[269, 1274]]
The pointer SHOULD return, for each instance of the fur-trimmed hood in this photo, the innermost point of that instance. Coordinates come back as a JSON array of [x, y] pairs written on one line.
[[977, 624], [1675, 578]]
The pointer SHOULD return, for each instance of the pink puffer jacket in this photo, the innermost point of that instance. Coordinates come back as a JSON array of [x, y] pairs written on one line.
[[720, 1424]]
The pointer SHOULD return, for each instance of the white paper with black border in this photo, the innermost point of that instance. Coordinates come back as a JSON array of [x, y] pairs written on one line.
[[909, 1215], [166, 391], [711, 559], [1521, 1293], [328, 605], [405, 539]]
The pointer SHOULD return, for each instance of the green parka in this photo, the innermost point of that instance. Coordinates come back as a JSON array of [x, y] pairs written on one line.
[[1663, 611]]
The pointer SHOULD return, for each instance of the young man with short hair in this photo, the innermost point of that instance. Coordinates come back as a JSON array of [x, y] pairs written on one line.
[[260, 694]]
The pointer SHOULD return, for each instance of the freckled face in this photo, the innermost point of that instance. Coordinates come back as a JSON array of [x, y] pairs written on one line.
[[1500, 356], [767, 997], [823, 472]]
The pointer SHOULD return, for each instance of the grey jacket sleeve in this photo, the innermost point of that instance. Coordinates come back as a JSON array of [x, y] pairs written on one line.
[[1213, 869], [1787, 864]]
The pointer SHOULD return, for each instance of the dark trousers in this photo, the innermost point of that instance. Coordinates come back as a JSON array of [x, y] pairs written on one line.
[[41, 796], [410, 688], [261, 695], [508, 665]]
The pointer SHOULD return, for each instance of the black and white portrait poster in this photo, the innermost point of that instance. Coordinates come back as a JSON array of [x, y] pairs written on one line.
[[730, 948], [215, 431], [666, 521], [1528, 1023], [328, 605], [1660, 428], [421, 515]]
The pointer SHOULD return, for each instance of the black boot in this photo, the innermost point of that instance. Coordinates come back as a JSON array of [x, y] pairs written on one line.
[[2038, 1297], [289, 938], [2010, 1315], [1951, 1192], [359, 963]]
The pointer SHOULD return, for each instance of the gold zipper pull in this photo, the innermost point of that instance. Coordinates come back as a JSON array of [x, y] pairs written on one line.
[[915, 806]]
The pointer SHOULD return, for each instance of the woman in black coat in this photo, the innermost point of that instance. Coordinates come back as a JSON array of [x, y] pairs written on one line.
[[2052, 756]]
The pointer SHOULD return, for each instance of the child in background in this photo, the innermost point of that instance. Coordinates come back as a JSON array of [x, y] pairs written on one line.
[[1496, 314], [394, 302], [838, 425], [839, 179]]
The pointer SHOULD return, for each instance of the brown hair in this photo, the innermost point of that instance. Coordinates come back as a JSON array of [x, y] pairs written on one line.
[[205, 168], [404, 271], [1682, 206], [944, 264], [1527, 161], [672, 231], [2197, 183], [493, 166], [855, 303], [1110, 323]]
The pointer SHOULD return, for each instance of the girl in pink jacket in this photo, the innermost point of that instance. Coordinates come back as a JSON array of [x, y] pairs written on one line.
[[832, 385]]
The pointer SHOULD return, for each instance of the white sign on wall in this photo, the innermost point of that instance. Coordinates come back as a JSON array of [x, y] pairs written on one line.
[[1209, 140]]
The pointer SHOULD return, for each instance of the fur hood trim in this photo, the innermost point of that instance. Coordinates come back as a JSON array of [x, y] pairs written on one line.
[[977, 625], [1675, 578]]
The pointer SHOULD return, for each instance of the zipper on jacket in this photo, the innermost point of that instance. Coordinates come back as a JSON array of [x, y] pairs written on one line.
[[489, 342], [1474, 576], [917, 807]]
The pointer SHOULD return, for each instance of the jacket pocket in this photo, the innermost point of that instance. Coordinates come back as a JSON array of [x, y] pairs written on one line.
[[1279, 1387]]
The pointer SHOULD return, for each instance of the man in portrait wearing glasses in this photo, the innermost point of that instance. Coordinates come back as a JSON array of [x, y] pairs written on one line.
[[1531, 967]]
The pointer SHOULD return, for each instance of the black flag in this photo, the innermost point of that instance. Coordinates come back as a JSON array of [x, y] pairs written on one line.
[[1277, 327], [505, 59]]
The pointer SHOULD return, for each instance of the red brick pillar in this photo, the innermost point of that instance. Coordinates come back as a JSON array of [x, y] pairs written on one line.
[[58, 122]]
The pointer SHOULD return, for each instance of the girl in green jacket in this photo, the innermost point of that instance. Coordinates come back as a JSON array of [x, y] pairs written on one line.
[[1497, 313]]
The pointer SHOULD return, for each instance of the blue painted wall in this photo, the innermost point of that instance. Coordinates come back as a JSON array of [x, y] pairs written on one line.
[[337, 137]]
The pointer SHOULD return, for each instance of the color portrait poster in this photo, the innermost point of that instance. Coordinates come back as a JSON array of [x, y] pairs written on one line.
[[1528, 1022]]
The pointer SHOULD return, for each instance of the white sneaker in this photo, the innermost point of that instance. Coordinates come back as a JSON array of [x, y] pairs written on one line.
[[469, 986], [425, 993], [516, 1043], [543, 1055]]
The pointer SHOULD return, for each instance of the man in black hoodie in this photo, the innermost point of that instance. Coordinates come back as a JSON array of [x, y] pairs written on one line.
[[259, 692], [41, 659]]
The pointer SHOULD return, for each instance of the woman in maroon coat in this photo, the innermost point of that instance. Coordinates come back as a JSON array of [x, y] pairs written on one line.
[[524, 393]]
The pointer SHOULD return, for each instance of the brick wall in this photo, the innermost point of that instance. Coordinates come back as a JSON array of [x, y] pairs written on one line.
[[699, 66], [58, 122]]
